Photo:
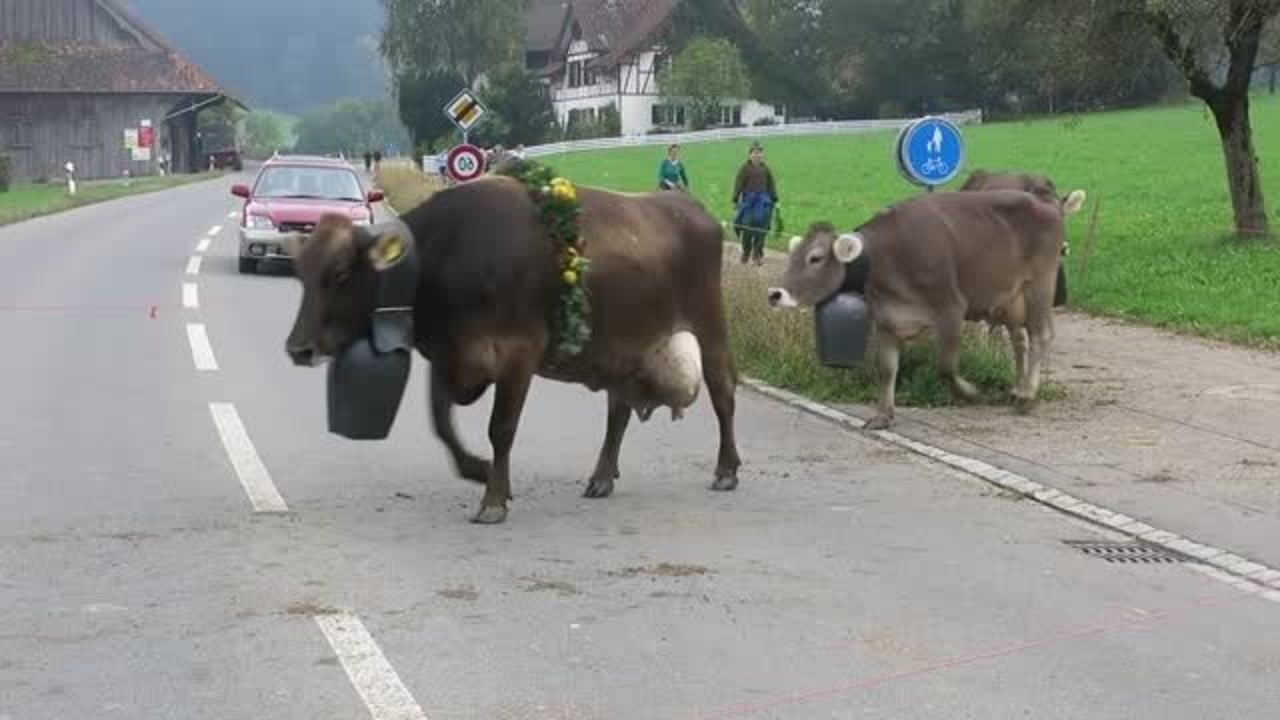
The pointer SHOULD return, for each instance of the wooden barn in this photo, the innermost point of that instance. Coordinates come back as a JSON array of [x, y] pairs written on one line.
[[87, 81]]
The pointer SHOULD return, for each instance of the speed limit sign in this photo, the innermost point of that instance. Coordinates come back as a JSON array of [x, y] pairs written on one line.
[[465, 162]]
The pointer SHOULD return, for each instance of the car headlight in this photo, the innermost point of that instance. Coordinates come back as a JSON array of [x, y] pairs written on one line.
[[259, 222]]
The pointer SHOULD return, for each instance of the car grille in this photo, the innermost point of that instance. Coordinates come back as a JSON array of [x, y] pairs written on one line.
[[299, 227]]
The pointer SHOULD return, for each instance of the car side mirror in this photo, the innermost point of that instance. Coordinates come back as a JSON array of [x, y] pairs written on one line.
[[240, 190], [376, 196]]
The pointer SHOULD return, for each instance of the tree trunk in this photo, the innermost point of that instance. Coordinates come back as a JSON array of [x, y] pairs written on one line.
[[1231, 113]]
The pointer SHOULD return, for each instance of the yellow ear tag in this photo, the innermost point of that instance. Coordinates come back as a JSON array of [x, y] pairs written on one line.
[[392, 249]]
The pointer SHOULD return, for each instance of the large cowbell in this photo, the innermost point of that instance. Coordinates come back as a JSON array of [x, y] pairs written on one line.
[[366, 380], [841, 325]]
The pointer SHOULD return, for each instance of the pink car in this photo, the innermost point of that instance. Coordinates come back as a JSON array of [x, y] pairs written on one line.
[[289, 196]]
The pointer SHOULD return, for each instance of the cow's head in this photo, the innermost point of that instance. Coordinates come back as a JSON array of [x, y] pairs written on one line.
[[338, 265], [816, 268]]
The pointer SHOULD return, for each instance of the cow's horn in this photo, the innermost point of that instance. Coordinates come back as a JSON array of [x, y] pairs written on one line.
[[848, 247], [795, 243]]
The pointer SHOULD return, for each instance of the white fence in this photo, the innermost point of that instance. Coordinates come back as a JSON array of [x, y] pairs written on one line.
[[851, 127]]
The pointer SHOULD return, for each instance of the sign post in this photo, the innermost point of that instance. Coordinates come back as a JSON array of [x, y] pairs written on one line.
[[465, 110], [930, 152], [465, 163]]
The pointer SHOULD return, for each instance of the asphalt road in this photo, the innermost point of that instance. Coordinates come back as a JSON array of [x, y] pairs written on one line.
[[843, 579]]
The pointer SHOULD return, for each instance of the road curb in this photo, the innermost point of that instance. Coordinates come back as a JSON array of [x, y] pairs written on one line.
[[1236, 570]]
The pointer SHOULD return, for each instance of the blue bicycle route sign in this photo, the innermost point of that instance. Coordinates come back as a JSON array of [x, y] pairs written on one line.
[[930, 151]]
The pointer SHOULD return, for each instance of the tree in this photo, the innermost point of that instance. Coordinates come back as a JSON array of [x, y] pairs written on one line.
[[1201, 36], [522, 104], [1269, 54], [775, 38], [705, 74], [421, 97], [1049, 57], [264, 133], [351, 127], [465, 36]]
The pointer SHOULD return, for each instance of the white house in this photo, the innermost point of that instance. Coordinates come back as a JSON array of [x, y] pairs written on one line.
[[600, 53]]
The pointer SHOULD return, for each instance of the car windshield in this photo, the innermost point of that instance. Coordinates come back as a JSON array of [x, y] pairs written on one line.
[[308, 182]]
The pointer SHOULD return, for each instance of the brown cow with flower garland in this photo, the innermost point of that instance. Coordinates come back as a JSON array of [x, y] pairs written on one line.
[[521, 274]]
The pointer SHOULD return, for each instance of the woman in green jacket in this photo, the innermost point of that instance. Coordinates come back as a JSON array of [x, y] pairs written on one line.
[[671, 175]]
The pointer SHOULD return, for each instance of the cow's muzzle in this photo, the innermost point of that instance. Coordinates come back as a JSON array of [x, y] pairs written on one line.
[[779, 297], [304, 355]]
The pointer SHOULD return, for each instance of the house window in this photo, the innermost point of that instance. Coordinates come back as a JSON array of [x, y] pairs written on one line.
[[582, 115], [730, 115], [590, 76], [780, 110], [575, 74], [668, 115]]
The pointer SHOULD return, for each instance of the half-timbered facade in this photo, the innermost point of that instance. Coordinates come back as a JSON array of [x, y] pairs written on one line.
[[78, 77], [600, 53]]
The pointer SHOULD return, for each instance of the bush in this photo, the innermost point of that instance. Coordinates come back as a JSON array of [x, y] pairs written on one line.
[[406, 186], [6, 172]]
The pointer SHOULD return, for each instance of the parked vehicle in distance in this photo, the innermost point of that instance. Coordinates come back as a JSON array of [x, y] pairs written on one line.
[[220, 147], [289, 195]]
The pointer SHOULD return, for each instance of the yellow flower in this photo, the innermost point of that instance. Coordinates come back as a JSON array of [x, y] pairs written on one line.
[[564, 192], [570, 277]]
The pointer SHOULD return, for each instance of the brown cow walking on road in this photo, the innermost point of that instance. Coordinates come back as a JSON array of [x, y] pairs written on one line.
[[489, 280], [932, 262]]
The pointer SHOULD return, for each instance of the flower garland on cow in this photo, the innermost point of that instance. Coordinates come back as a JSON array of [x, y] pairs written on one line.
[[557, 202]]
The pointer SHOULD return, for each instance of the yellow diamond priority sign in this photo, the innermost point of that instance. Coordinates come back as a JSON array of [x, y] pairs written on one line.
[[465, 110]]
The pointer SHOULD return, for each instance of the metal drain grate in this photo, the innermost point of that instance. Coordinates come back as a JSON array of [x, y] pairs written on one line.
[[1124, 552]]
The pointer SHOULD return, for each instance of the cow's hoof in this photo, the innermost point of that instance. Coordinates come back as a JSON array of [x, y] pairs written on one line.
[[599, 487], [726, 481], [475, 470], [879, 422], [490, 515]]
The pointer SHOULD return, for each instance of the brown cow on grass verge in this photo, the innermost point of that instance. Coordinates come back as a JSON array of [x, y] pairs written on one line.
[[932, 262], [1040, 186], [489, 282]]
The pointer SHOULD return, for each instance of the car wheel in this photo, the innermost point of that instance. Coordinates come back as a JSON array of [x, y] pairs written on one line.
[[248, 265]]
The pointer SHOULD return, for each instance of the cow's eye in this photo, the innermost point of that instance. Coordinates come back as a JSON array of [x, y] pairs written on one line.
[[815, 258]]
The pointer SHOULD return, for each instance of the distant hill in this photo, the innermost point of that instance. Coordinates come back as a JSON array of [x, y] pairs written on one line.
[[290, 55]]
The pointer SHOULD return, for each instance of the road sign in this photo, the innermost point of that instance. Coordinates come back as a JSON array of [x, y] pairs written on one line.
[[465, 110], [930, 152], [465, 163]]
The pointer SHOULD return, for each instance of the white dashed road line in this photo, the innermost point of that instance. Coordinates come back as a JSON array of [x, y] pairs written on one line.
[[201, 350], [215, 230], [203, 245], [193, 265], [190, 296], [244, 459], [373, 677]]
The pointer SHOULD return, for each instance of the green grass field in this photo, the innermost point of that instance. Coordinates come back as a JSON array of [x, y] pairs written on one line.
[[1161, 255], [26, 201]]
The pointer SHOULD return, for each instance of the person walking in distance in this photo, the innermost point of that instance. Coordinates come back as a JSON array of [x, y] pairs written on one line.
[[755, 195], [671, 174]]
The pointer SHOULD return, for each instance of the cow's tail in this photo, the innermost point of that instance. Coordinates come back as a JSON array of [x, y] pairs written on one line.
[[1073, 202]]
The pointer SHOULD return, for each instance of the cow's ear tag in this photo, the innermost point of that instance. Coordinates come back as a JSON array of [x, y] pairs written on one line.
[[388, 249]]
